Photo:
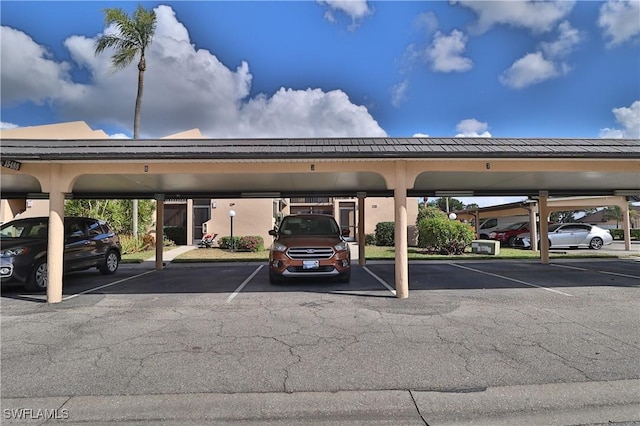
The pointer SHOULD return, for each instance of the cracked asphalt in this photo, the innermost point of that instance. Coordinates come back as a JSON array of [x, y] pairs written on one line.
[[509, 342]]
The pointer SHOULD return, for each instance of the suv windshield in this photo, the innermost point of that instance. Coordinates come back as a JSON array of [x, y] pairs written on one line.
[[26, 228], [292, 225]]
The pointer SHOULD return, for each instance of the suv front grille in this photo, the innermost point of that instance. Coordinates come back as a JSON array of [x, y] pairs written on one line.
[[303, 253]]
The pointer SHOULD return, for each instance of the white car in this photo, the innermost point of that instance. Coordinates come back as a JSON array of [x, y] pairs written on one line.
[[572, 235]]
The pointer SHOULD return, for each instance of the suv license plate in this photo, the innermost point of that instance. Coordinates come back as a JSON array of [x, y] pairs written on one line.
[[310, 264]]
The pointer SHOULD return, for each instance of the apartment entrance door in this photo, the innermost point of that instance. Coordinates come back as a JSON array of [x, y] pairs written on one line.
[[201, 214], [347, 219]]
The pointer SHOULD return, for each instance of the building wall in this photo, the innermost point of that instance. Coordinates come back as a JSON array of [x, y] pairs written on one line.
[[253, 217]]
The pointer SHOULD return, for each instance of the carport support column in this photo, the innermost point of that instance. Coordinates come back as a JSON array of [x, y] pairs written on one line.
[[626, 225], [401, 239], [55, 245], [159, 230], [361, 237], [543, 212], [533, 228]]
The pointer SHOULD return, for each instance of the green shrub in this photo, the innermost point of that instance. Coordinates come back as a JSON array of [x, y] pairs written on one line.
[[251, 243], [385, 234], [444, 236], [132, 245], [618, 234], [370, 239], [225, 243], [177, 234], [428, 212]]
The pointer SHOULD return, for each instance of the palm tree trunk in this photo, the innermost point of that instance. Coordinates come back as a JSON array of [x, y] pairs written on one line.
[[136, 133]]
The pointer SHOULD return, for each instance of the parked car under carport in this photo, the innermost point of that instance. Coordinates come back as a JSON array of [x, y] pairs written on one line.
[[572, 235], [23, 257]]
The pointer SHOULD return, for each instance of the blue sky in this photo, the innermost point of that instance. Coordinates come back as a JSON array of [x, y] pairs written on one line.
[[328, 68]]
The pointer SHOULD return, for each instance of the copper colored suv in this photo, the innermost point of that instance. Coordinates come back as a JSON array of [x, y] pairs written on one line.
[[309, 245]]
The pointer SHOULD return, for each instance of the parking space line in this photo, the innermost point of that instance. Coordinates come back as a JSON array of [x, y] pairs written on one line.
[[620, 275], [241, 286], [569, 267], [510, 279], [106, 285], [380, 280], [601, 272]]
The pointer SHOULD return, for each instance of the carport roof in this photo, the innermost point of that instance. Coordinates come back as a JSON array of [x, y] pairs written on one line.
[[329, 148], [340, 182]]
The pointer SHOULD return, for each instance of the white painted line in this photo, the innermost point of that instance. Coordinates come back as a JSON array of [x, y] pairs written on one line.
[[241, 286], [510, 279], [602, 272], [107, 285], [380, 280], [620, 275], [569, 267]]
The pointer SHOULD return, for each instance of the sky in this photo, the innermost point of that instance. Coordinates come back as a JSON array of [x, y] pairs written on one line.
[[326, 68]]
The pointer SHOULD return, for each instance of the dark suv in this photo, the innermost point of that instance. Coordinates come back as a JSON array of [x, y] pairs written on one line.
[[87, 243], [309, 245]]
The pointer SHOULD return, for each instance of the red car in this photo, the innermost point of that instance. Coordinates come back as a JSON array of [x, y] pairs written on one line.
[[507, 236]]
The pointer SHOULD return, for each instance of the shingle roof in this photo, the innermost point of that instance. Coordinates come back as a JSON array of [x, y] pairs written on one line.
[[121, 149]]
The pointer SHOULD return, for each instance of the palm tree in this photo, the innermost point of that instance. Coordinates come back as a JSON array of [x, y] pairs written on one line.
[[132, 40]]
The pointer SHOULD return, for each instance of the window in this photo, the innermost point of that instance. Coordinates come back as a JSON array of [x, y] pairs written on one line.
[[94, 229], [74, 230]]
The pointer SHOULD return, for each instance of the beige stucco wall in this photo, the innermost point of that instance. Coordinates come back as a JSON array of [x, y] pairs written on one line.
[[378, 209], [70, 130], [253, 217]]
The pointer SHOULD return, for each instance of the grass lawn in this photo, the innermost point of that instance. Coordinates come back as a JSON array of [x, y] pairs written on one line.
[[140, 256], [371, 253]]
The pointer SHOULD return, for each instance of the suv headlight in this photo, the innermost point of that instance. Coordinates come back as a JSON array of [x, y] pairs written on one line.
[[279, 247], [343, 246], [14, 252]]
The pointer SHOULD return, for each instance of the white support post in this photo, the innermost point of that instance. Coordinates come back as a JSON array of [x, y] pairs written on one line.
[[159, 230], [401, 238], [55, 244], [361, 235], [543, 210]]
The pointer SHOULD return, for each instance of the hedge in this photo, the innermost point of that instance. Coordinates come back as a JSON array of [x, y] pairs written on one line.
[[177, 234], [444, 236], [618, 234], [249, 243], [385, 234]]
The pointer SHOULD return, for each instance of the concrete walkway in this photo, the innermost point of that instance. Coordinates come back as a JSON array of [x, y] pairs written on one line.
[[169, 255]]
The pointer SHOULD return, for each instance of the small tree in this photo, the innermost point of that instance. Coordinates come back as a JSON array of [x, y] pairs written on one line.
[[441, 203], [116, 212], [444, 236], [428, 212], [385, 234]]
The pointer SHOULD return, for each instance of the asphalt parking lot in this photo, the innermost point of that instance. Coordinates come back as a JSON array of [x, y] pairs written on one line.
[[485, 342]]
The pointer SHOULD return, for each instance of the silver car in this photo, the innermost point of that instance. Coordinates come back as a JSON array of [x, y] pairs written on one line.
[[572, 235]]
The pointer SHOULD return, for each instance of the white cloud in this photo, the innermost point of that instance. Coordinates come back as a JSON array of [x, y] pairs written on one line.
[[531, 69], [427, 21], [537, 16], [630, 120], [445, 52], [545, 64], [472, 128], [5, 125], [119, 136], [355, 9], [185, 88], [420, 135], [399, 93], [28, 71], [567, 40], [620, 21]]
